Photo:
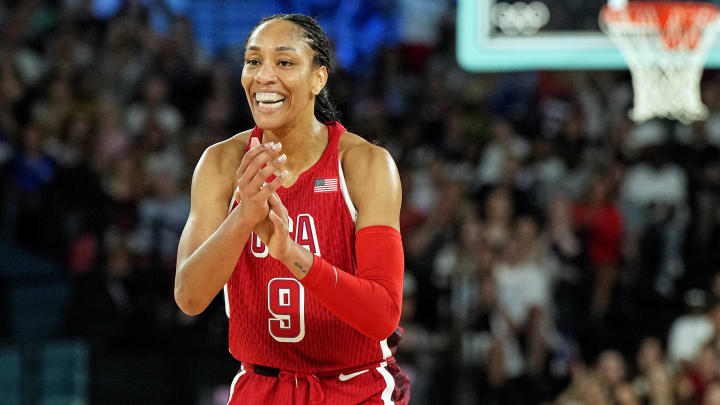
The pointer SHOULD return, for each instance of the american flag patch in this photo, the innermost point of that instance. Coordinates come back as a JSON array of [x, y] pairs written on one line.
[[325, 185]]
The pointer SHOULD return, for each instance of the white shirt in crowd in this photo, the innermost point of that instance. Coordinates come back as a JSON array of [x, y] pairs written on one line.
[[521, 287], [688, 334]]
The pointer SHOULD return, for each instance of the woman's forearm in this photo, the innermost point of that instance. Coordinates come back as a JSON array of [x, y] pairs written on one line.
[[371, 300], [202, 274]]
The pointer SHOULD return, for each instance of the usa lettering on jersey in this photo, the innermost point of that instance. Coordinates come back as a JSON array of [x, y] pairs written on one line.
[[304, 234]]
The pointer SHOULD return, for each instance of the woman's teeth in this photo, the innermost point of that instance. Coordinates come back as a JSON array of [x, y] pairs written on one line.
[[269, 101]]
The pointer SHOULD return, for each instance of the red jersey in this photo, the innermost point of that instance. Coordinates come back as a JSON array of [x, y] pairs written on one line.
[[274, 321], [604, 231]]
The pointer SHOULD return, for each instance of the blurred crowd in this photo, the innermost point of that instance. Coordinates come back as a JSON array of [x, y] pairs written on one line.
[[556, 252], [101, 124]]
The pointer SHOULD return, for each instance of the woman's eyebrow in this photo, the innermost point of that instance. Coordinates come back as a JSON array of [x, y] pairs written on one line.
[[278, 49]]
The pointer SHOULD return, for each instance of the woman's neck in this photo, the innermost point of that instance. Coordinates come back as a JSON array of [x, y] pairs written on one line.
[[303, 143]]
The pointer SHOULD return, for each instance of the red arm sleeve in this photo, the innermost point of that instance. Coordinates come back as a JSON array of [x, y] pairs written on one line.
[[371, 301]]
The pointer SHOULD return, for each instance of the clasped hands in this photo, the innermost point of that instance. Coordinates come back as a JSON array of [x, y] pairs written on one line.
[[258, 202]]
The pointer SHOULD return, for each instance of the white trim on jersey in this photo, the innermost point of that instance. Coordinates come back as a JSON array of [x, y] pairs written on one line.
[[346, 194], [385, 349], [386, 395], [227, 301], [225, 289], [234, 381], [232, 199]]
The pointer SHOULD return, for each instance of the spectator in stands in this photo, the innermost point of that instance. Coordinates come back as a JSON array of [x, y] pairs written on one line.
[[649, 357], [599, 224], [113, 143], [505, 148], [654, 203], [691, 331], [423, 246], [700, 253], [585, 388], [561, 230], [154, 107], [32, 172], [523, 288], [11, 91], [662, 386], [612, 373], [712, 395], [162, 216], [126, 54], [701, 375], [499, 215], [56, 107]]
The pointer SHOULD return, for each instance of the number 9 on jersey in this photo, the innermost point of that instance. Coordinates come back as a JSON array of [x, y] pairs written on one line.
[[286, 303]]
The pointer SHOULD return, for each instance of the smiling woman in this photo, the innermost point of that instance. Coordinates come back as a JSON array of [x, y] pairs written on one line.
[[290, 61], [309, 252]]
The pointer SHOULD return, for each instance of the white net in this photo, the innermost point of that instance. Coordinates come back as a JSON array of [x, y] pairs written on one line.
[[666, 62]]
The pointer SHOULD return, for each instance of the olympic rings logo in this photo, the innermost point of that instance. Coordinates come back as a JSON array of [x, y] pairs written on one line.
[[520, 18]]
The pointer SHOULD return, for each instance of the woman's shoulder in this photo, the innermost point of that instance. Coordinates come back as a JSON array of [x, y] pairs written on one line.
[[226, 153], [354, 149], [372, 181], [364, 163]]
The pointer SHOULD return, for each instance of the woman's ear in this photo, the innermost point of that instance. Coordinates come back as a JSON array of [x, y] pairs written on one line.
[[320, 76]]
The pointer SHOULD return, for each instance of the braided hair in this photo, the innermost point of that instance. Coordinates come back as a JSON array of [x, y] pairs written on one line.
[[325, 109]]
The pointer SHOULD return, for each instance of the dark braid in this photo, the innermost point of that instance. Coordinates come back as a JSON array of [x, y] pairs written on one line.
[[325, 109]]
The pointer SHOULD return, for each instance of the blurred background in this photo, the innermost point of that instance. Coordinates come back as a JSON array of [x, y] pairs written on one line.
[[556, 252]]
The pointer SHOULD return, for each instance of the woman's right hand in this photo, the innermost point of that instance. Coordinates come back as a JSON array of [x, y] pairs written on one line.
[[251, 191]]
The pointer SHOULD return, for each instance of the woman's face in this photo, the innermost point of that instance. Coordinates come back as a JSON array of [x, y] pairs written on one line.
[[707, 363], [611, 367], [598, 191], [499, 205], [278, 76], [661, 382], [650, 354]]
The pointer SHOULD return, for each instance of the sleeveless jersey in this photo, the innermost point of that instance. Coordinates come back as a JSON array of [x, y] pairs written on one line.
[[274, 320]]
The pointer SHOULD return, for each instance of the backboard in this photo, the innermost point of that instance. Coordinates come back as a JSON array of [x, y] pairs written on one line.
[[509, 35]]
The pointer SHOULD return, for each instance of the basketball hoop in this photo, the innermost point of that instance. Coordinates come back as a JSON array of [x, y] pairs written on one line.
[[665, 45]]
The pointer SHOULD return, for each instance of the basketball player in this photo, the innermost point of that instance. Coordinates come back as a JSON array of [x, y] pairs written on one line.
[[310, 252]]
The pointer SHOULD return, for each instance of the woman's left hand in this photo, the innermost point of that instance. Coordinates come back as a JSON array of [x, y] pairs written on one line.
[[278, 234]]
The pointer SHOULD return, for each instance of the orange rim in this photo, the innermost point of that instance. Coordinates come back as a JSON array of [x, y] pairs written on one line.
[[679, 24]]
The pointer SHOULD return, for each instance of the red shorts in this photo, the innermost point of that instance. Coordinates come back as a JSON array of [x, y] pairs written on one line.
[[382, 383]]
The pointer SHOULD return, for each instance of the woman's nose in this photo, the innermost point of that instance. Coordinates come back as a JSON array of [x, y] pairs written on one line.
[[266, 74]]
